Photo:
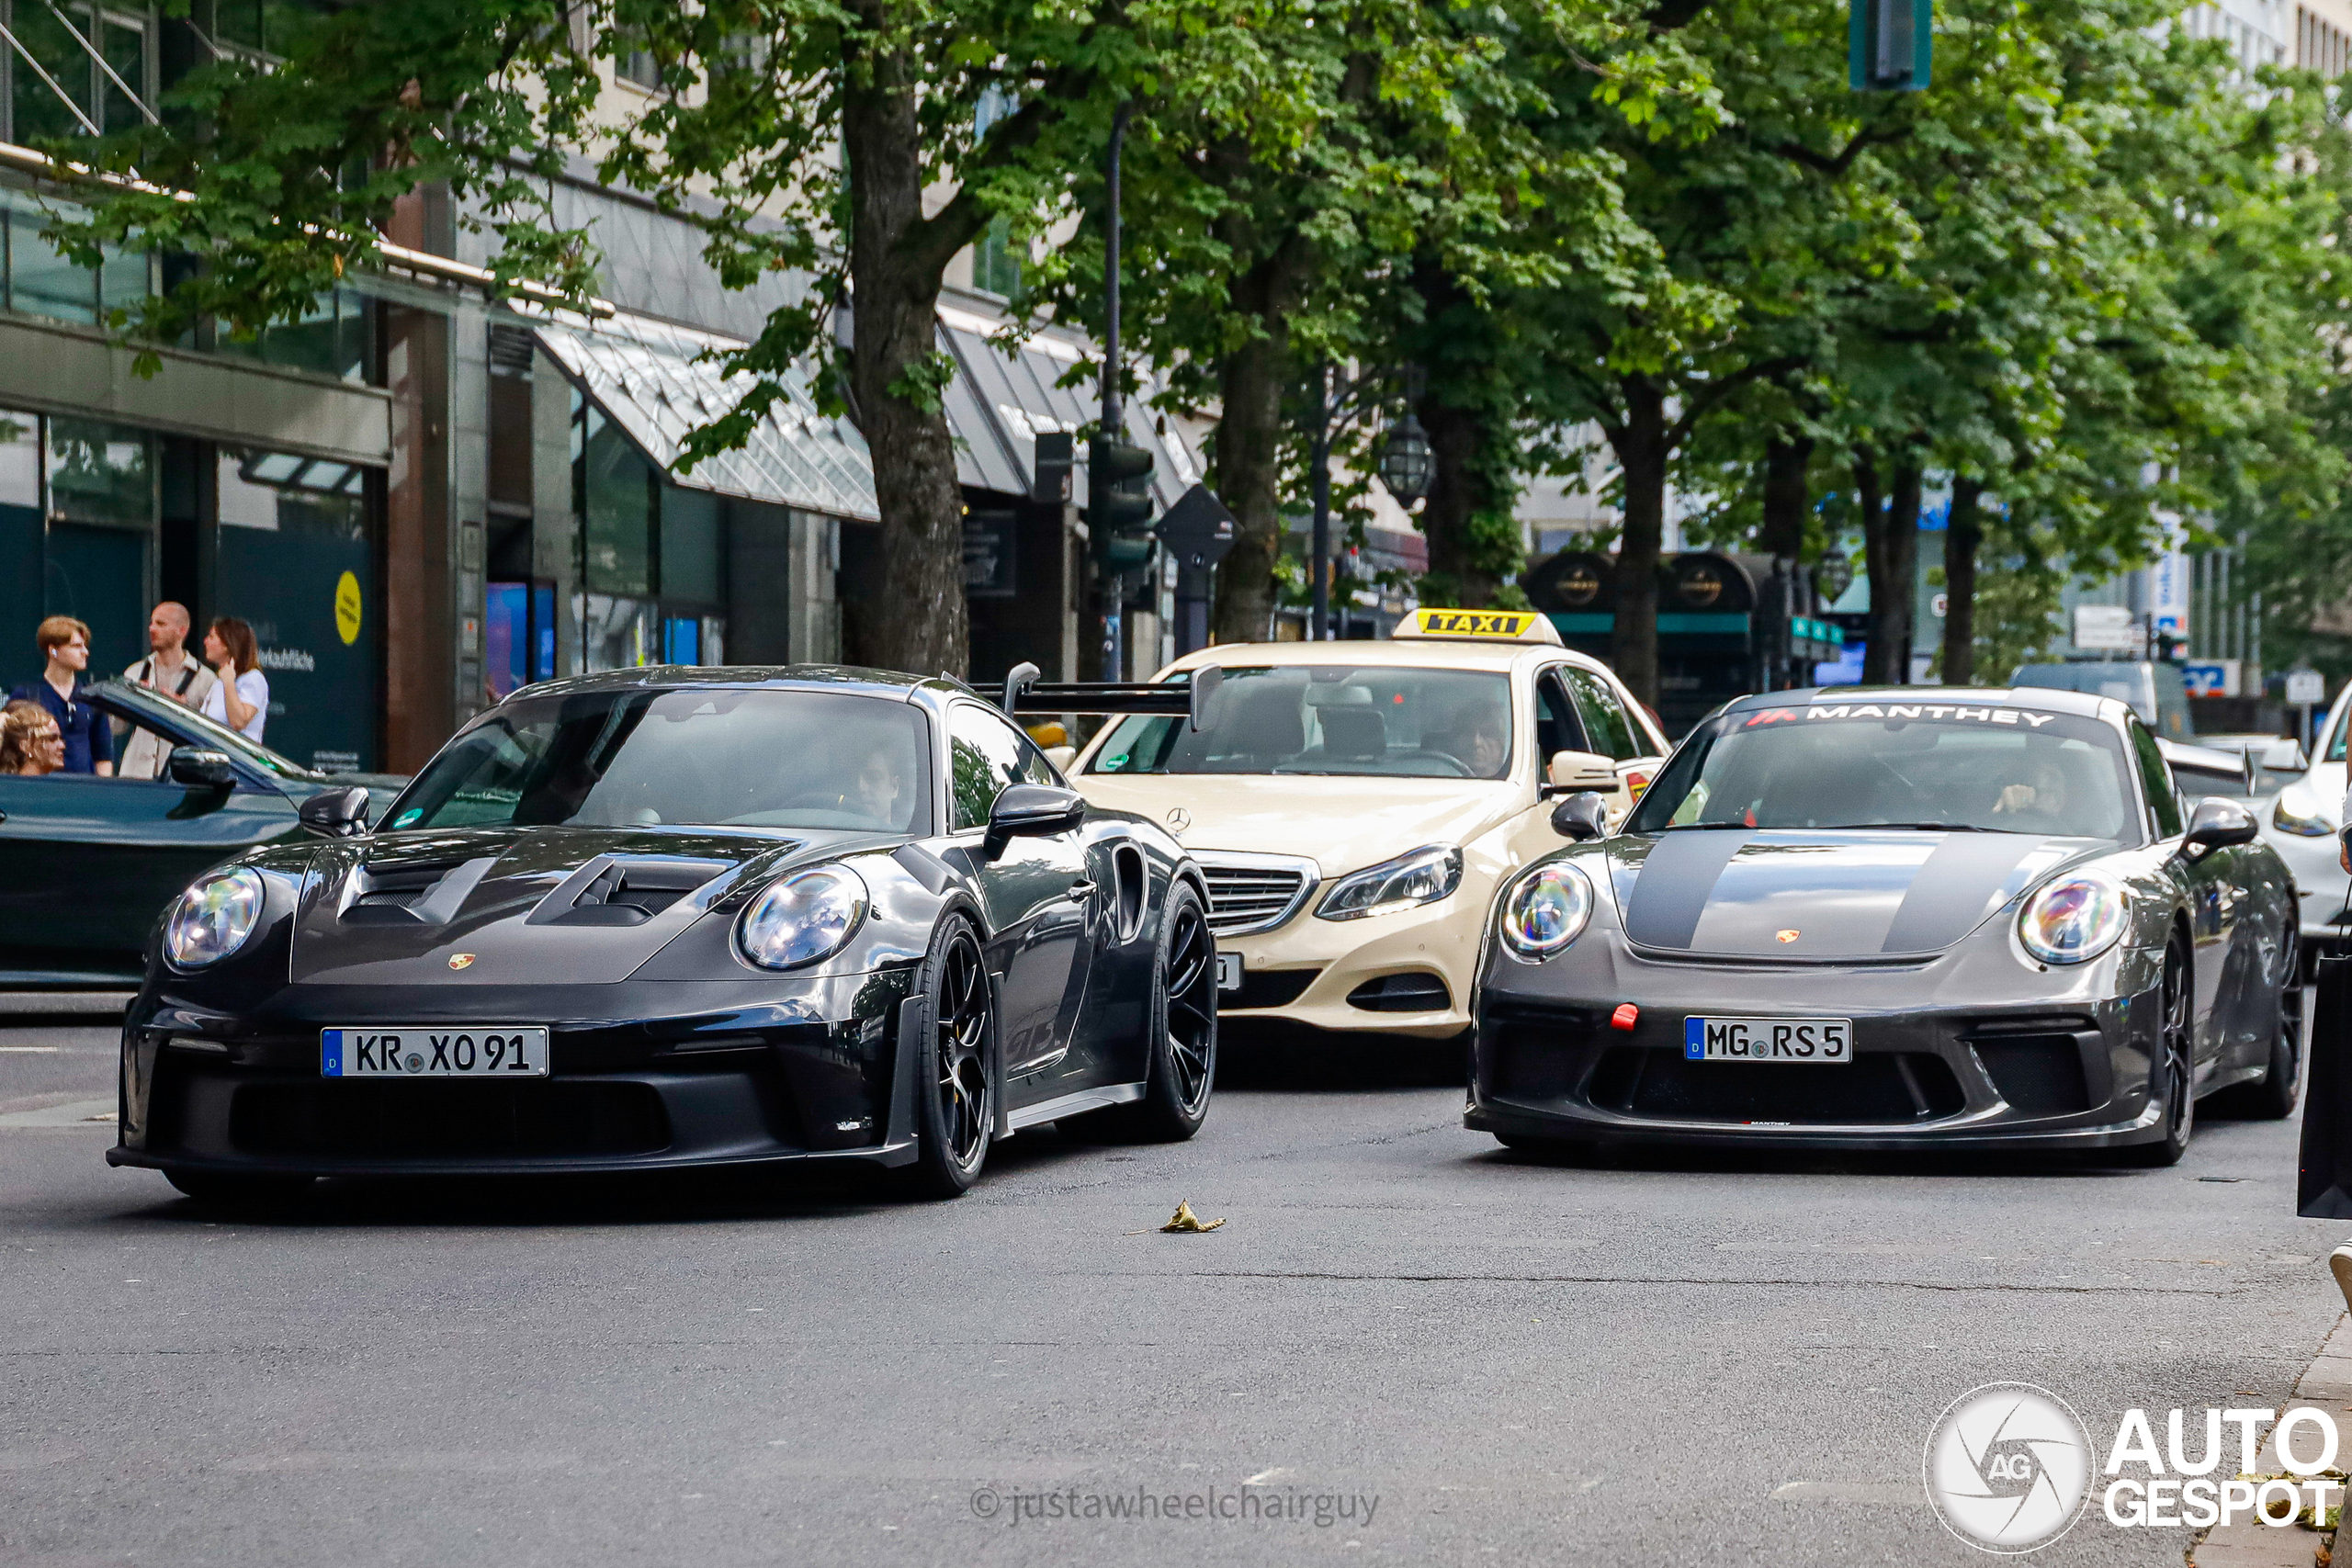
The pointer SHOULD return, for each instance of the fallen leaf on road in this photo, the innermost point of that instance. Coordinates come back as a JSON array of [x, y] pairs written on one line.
[[1186, 1222]]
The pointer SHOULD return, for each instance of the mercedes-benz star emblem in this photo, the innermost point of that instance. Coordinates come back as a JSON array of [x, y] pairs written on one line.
[[462, 961], [1179, 818]]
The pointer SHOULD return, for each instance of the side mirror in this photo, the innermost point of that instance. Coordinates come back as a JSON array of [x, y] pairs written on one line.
[[338, 813], [1582, 815], [2218, 822], [1569, 771], [200, 768], [1030, 810], [1061, 757]]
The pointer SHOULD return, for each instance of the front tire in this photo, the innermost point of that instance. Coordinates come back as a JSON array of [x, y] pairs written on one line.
[[955, 1091], [2173, 1073], [1181, 1035], [2273, 1099]]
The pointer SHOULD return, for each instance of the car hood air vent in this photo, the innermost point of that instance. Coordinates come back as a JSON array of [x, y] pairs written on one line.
[[417, 893], [616, 890]]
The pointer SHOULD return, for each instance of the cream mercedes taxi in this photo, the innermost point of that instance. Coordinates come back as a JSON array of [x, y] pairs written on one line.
[[1355, 805]]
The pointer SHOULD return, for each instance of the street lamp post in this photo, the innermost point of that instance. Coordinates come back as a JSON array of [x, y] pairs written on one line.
[[1404, 469]]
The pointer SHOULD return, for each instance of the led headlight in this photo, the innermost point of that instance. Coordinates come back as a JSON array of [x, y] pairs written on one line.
[[1546, 910], [2296, 812], [1422, 877], [2073, 919], [802, 917], [213, 919]]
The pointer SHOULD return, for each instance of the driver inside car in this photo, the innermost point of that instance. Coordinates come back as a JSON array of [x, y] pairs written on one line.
[[2038, 797], [1482, 742], [878, 787]]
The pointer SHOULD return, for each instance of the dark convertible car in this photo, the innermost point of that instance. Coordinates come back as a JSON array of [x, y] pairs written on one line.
[[87, 863], [672, 917], [1896, 917]]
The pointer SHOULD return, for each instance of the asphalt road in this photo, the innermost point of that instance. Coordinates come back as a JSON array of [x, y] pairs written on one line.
[[1637, 1361]]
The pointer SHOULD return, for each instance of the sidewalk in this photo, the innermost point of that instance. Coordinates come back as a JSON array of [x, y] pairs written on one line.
[[2249, 1543]]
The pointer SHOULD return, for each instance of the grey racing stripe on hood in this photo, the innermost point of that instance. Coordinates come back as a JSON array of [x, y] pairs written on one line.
[[1678, 877], [1965, 880]]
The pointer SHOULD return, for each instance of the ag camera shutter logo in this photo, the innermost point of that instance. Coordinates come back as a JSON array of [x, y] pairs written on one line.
[[2009, 1467]]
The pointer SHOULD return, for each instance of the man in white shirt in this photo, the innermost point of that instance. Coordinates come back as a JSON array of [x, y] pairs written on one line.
[[170, 671]]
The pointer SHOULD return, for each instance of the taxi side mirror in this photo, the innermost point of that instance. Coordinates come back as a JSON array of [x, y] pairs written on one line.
[[1061, 757], [1569, 771], [2283, 756], [1582, 815]]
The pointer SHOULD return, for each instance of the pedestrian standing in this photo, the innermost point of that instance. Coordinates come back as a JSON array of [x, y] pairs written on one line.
[[29, 741], [64, 642], [240, 698], [169, 670]]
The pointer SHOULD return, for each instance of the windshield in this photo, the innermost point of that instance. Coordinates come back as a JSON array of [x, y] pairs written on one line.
[[2334, 751], [1371, 720], [704, 758], [2007, 770], [128, 701]]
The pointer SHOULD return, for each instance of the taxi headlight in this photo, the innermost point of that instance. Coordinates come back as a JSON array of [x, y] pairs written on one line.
[[213, 919], [2073, 919], [2295, 812], [1422, 877], [802, 917], [1546, 910]]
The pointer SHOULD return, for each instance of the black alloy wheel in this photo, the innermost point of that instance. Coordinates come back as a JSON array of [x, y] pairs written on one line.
[[2172, 1070], [1180, 1035], [956, 1097], [2273, 1099]]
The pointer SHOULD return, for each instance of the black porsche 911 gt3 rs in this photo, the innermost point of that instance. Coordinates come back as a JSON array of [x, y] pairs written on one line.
[[672, 917], [1894, 917]]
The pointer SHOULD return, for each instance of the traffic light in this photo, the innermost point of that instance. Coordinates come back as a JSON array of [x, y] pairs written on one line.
[[1888, 43], [1118, 504]]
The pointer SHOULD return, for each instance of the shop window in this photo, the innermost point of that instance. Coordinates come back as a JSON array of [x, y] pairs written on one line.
[[690, 546], [616, 492], [296, 557], [518, 637], [100, 473]]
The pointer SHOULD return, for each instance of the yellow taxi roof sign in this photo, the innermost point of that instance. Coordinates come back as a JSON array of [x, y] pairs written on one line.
[[1481, 626]]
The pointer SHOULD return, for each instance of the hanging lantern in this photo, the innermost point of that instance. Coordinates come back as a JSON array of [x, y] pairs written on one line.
[[1405, 461], [1832, 576]]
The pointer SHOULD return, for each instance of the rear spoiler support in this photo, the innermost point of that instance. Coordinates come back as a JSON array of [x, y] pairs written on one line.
[[1024, 693]]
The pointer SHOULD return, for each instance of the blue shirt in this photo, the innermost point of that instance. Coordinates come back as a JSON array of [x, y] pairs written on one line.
[[89, 739]]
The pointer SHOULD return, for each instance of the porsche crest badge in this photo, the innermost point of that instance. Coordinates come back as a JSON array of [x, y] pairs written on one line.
[[466, 959], [1786, 936]]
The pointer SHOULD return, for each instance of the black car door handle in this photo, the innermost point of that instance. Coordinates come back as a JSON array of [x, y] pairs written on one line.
[[1080, 891]]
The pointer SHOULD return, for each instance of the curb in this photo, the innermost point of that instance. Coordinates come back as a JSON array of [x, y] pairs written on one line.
[[2250, 1544]]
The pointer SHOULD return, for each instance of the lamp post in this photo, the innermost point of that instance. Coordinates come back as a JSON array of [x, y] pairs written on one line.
[[1404, 467]]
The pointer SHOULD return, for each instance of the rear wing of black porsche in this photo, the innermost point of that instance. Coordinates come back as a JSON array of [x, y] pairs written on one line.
[[1024, 693]]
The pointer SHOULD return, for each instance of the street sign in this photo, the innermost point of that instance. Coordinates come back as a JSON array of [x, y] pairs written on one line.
[[2306, 686], [1889, 45], [2211, 678], [2105, 627], [1197, 530]]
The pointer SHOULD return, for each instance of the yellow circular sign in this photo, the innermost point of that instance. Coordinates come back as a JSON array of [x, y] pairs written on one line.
[[347, 608]]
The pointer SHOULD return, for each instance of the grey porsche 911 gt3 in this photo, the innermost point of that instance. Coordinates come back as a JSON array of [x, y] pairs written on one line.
[[1896, 917], [674, 917]]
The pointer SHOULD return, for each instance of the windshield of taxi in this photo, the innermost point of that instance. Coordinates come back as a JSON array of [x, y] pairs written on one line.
[[1371, 720], [702, 758], [1897, 765]]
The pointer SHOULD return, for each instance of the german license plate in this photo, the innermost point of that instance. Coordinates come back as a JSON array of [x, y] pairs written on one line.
[[436, 1051], [1767, 1039], [1228, 970]]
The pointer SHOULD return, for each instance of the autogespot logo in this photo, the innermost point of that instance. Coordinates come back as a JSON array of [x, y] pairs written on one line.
[[2009, 1467]]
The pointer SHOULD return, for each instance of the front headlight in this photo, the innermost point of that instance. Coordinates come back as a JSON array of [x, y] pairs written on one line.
[[2073, 919], [213, 919], [2295, 812], [1422, 877], [803, 917], [1546, 910]]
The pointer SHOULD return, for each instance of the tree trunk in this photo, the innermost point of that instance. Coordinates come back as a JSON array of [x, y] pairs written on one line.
[[1458, 494], [922, 626], [1786, 497], [1962, 539], [1640, 445], [1891, 543], [1249, 450]]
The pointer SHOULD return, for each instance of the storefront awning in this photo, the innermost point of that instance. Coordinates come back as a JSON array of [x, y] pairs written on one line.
[[646, 375], [999, 403]]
